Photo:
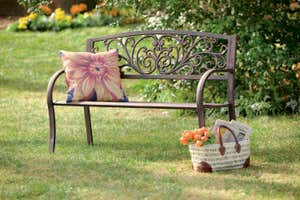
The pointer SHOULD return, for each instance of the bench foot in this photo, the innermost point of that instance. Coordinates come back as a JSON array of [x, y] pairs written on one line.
[[87, 116], [52, 129]]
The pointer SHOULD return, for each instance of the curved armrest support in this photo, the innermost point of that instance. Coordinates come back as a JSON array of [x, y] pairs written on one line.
[[202, 81], [51, 85]]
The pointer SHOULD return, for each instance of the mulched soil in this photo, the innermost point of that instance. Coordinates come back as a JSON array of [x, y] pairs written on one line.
[[5, 21]]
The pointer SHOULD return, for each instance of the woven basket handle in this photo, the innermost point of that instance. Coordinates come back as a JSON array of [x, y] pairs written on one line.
[[222, 148]]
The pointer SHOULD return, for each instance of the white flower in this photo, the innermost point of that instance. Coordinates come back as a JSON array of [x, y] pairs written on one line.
[[182, 19]]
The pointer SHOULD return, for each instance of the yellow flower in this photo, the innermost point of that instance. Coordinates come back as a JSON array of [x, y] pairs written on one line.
[[59, 17], [22, 26], [23, 22], [58, 10], [23, 19], [68, 18], [32, 16], [59, 14], [87, 14]]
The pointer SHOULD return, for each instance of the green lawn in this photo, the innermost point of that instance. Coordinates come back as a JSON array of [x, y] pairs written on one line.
[[136, 154]]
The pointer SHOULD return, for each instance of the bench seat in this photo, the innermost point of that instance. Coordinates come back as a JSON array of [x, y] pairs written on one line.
[[135, 104]]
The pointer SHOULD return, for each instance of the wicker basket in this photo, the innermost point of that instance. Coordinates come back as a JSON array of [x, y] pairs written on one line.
[[217, 157]]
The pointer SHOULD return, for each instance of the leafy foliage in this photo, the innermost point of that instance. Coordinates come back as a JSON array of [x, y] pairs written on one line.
[[33, 5], [268, 46]]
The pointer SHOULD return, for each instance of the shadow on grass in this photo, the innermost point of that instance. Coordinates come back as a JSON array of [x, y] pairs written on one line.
[[140, 151], [144, 151], [279, 154], [162, 152], [122, 177], [111, 178], [249, 184]]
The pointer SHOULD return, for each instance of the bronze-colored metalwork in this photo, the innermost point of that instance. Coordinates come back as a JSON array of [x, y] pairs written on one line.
[[165, 54], [180, 55]]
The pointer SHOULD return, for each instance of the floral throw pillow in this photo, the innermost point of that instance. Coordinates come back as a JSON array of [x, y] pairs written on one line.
[[92, 77]]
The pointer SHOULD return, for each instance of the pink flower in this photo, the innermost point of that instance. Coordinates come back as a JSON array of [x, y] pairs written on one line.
[[92, 76]]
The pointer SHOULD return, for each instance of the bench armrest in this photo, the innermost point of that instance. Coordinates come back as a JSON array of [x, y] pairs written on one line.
[[51, 86], [201, 84]]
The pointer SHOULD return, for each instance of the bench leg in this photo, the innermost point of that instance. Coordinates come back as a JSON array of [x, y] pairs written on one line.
[[201, 117], [232, 112], [52, 129], [230, 94], [88, 125]]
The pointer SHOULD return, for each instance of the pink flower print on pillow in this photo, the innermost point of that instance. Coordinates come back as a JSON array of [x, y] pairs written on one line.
[[92, 77]]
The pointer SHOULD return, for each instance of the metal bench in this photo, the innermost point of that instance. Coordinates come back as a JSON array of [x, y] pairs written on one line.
[[179, 55]]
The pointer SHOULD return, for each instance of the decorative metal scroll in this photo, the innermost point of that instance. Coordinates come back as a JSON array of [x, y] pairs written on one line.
[[168, 54]]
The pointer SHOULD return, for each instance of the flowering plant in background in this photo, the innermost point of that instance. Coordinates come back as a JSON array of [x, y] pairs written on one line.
[[59, 14], [296, 68], [32, 16], [45, 9], [44, 18], [197, 137], [113, 12], [78, 8], [24, 21], [101, 4]]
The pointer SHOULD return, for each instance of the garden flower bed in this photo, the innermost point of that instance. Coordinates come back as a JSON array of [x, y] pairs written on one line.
[[46, 19]]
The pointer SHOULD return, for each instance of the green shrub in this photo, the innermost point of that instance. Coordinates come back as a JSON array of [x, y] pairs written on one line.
[[33, 5], [268, 46]]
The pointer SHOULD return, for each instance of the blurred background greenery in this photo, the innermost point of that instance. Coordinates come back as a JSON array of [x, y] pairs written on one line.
[[268, 53]]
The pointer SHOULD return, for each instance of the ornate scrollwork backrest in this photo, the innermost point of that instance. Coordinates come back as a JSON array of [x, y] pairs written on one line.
[[167, 53]]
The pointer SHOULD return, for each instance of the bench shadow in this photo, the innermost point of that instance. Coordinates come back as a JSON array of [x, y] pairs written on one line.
[[95, 172], [146, 151], [141, 150]]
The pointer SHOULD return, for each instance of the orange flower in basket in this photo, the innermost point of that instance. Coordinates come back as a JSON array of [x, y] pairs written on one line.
[[188, 135], [198, 136], [183, 141], [201, 134], [199, 143]]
